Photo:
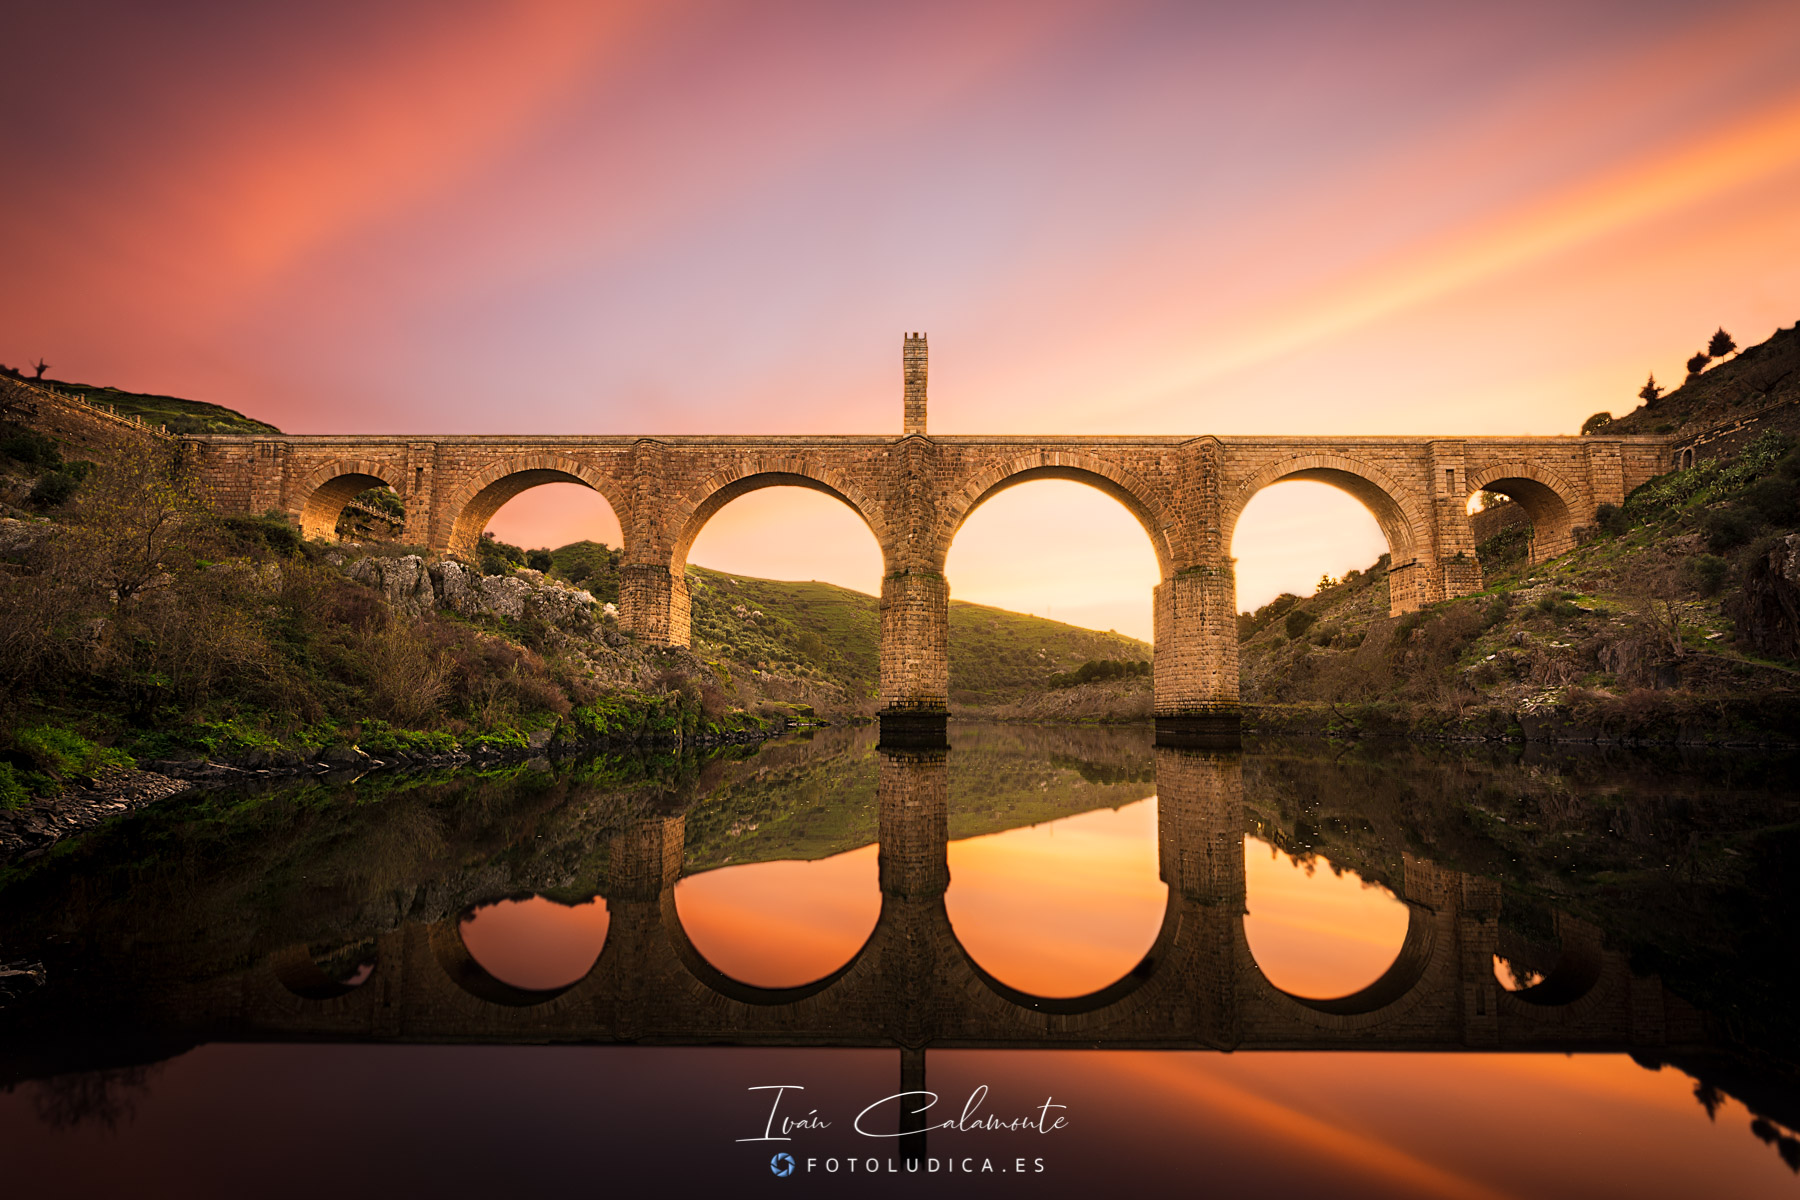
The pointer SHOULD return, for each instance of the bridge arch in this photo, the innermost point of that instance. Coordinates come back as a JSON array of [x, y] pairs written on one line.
[[474, 504], [1138, 495], [704, 501], [1550, 501], [325, 492], [1404, 521]]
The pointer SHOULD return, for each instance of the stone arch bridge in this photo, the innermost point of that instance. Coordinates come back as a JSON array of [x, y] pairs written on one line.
[[913, 492]]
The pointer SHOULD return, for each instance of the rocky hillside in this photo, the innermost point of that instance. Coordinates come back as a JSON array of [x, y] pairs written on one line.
[[1678, 619]]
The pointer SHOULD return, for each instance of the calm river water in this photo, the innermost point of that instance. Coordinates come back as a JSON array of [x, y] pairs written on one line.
[[1043, 962]]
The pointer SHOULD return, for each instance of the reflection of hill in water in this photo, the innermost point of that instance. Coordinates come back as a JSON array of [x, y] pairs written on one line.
[[812, 800]]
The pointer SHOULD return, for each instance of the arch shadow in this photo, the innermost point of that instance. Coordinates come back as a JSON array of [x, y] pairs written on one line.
[[329, 488], [1550, 503]]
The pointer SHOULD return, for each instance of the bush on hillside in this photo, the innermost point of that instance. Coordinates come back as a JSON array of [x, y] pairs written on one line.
[[1097, 669]]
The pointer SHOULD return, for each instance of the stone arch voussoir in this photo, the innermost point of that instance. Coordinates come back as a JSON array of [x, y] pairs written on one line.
[[1406, 524]]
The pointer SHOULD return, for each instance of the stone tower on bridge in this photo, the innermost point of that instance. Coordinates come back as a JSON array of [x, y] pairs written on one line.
[[913, 493]]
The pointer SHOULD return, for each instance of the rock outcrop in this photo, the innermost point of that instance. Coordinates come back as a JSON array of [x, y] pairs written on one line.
[[1768, 610], [415, 587]]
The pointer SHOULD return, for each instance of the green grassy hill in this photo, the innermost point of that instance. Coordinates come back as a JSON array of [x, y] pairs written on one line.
[[180, 416], [995, 655]]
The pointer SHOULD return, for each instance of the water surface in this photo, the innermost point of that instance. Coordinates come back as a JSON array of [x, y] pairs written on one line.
[[1367, 970]]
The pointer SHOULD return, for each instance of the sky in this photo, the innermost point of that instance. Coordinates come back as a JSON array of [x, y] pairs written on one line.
[[1180, 218]]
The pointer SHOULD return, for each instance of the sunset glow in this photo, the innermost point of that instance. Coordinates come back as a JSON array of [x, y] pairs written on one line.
[[627, 218]]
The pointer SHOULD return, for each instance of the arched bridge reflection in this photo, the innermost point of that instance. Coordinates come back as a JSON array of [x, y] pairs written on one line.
[[913, 982]]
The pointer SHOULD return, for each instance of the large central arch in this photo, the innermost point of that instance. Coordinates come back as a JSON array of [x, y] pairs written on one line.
[[1138, 496], [1403, 519]]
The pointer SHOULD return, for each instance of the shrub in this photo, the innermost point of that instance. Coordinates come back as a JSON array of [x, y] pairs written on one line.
[[539, 560], [498, 557], [53, 489], [1100, 668], [1706, 572], [1597, 422], [13, 792], [1774, 498], [1611, 519], [61, 753], [29, 447], [1298, 622], [1727, 528]]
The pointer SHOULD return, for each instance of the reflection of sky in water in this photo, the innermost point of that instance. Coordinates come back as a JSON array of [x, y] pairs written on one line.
[[1063, 908], [782, 924], [536, 943], [1316, 933]]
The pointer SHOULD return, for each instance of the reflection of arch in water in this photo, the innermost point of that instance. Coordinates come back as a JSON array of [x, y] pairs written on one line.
[[1105, 1004], [1042, 908], [1395, 991], [459, 963], [299, 971], [717, 981], [1573, 973]]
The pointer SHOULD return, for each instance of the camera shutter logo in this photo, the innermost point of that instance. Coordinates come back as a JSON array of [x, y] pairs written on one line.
[[782, 1165]]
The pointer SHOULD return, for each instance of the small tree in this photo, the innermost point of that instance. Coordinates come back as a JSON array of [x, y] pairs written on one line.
[[40, 366], [1698, 363], [1721, 344], [1652, 391], [1597, 422]]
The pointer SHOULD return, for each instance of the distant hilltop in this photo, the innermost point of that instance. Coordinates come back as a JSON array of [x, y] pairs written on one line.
[[1752, 379], [171, 412]]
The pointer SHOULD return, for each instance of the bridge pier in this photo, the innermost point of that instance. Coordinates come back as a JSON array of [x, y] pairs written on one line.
[[915, 658], [654, 605], [1196, 668]]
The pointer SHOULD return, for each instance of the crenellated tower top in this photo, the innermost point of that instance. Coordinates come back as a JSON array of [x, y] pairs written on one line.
[[913, 367]]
